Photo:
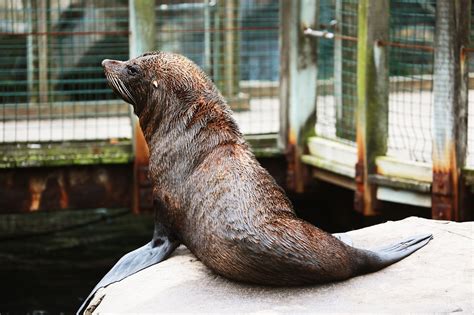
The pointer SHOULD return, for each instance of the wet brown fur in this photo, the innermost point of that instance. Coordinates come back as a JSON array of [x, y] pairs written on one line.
[[211, 191]]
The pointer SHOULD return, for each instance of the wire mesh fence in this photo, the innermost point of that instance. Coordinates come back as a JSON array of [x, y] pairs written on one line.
[[337, 71], [236, 43], [51, 84], [412, 26], [52, 87]]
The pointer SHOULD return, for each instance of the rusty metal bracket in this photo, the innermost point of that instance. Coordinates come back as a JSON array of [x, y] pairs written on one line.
[[359, 172], [318, 33], [442, 184], [308, 31]]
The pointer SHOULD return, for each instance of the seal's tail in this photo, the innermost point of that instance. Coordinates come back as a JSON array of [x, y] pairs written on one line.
[[384, 256]]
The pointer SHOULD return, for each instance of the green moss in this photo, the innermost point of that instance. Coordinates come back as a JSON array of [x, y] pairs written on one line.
[[68, 153]]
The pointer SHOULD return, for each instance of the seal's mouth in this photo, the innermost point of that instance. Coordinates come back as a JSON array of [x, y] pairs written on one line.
[[112, 69]]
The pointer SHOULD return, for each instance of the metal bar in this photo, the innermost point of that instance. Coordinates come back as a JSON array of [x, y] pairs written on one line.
[[186, 6], [318, 33], [84, 33], [382, 43], [327, 35]]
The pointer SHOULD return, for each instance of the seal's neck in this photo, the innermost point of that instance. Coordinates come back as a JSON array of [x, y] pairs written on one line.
[[181, 135]]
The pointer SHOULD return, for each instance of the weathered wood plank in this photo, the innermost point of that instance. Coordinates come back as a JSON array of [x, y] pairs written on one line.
[[449, 125], [142, 39], [389, 166], [372, 93], [298, 75]]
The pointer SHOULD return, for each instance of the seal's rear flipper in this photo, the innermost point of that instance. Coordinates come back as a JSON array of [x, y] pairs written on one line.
[[384, 256], [152, 253], [398, 251]]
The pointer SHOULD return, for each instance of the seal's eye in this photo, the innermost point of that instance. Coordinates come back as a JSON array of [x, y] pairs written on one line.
[[132, 70]]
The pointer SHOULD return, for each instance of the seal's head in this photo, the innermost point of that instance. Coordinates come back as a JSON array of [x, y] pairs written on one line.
[[155, 79]]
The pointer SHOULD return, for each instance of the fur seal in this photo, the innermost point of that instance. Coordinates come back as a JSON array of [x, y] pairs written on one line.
[[212, 195]]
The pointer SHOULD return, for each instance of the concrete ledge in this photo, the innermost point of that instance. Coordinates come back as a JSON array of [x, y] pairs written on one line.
[[438, 278]]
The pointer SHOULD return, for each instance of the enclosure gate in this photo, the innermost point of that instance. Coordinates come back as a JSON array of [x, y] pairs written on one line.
[[391, 100], [56, 107]]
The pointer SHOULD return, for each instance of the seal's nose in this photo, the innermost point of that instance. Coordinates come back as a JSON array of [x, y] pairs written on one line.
[[105, 62]]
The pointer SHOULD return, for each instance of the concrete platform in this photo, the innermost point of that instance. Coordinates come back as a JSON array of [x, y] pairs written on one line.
[[437, 278]]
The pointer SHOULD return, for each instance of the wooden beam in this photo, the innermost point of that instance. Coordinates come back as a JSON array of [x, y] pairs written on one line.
[[142, 27], [42, 21], [372, 93], [227, 49], [332, 156], [403, 169], [449, 127], [142, 39], [298, 75]]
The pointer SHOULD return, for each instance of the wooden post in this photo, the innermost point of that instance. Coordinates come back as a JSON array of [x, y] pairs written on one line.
[[227, 50], [231, 48], [372, 93], [142, 39], [142, 27], [449, 127], [216, 44], [207, 37], [297, 83], [30, 65], [42, 20]]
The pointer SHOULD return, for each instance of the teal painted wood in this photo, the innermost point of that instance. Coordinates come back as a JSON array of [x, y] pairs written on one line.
[[297, 83]]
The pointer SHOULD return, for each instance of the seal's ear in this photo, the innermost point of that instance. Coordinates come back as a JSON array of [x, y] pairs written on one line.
[[155, 83]]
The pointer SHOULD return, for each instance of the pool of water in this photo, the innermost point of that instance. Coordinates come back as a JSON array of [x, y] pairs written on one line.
[[53, 273]]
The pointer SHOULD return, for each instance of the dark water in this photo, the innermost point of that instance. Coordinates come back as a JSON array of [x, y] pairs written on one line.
[[53, 273]]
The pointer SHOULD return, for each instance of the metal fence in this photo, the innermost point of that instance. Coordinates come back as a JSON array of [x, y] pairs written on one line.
[[411, 56], [411, 22], [52, 88], [410, 60], [412, 27], [51, 84], [236, 43], [337, 71]]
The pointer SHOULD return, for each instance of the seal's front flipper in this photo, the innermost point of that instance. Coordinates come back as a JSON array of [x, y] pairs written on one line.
[[152, 253]]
